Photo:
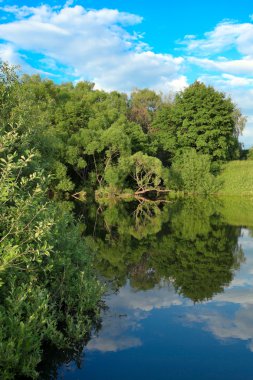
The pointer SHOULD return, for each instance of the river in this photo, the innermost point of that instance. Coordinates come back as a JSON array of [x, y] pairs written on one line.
[[179, 301]]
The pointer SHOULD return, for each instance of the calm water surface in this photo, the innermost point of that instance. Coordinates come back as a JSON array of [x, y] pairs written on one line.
[[180, 298]]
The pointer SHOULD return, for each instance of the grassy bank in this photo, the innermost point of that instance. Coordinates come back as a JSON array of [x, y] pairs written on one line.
[[237, 179]]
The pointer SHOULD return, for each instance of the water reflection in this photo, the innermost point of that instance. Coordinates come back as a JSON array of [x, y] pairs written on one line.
[[180, 275], [189, 245], [239, 323], [126, 311]]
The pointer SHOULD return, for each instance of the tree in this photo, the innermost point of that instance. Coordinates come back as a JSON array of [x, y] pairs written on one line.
[[163, 135], [208, 121], [143, 104], [139, 172], [147, 172]]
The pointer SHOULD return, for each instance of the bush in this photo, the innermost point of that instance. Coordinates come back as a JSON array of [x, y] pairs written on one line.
[[191, 173], [48, 291]]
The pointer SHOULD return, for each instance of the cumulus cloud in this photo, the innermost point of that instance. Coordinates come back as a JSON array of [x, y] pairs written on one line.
[[228, 80], [117, 333], [224, 36], [238, 67], [107, 344], [9, 54], [93, 44]]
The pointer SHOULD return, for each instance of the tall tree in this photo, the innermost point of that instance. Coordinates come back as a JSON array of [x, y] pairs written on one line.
[[208, 121]]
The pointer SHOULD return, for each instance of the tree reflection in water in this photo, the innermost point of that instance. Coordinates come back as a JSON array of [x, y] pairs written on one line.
[[187, 243]]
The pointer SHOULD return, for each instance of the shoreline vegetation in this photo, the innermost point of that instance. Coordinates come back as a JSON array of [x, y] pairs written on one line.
[[65, 142]]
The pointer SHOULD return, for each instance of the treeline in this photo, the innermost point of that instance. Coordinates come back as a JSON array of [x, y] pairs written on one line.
[[90, 140]]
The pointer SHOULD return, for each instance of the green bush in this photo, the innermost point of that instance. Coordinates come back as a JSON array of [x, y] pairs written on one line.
[[191, 173], [48, 291]]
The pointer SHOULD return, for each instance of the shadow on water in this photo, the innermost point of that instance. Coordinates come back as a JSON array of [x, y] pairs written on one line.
[[187, 244]]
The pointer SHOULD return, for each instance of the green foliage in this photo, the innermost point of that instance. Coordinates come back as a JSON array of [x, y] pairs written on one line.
[[46, 272], [164, 134], [191, 172], [48, 291], [84, 138], [208, 121], [143, 105]]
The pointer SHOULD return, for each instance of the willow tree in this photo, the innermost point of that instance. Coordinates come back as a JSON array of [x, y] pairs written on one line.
[[147, 172], [138, 173]]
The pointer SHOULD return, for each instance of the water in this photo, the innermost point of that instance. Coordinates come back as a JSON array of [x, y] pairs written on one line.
[[180, 298]]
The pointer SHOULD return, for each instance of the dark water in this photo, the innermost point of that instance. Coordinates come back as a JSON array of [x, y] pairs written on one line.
[[180, 298]]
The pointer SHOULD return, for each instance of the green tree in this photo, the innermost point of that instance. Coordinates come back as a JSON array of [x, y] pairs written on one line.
[[208, 121], [143, 105], [139, 172], [163, 134]]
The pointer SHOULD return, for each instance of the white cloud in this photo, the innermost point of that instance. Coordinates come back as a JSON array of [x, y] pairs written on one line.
[[224, 36], [226, 81], [19, 12], [8, 53], [95, 44], [238, 67], [159, 297]]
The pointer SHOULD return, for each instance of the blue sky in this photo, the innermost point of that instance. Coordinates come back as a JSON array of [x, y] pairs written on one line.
[[163, 45]]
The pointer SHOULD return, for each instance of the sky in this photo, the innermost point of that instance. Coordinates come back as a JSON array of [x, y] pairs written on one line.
[[122, 45]]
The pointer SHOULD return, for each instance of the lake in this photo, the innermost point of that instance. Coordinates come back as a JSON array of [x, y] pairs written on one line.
[[179, 303]]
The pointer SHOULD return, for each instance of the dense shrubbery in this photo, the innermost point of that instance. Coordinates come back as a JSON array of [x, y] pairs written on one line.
[[48, 291], [191, 173], [46, 272]]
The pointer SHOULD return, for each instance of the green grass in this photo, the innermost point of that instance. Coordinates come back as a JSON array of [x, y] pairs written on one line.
[[237, 179]]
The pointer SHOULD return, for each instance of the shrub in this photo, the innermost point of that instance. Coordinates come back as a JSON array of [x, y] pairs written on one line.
[[191, 172]]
